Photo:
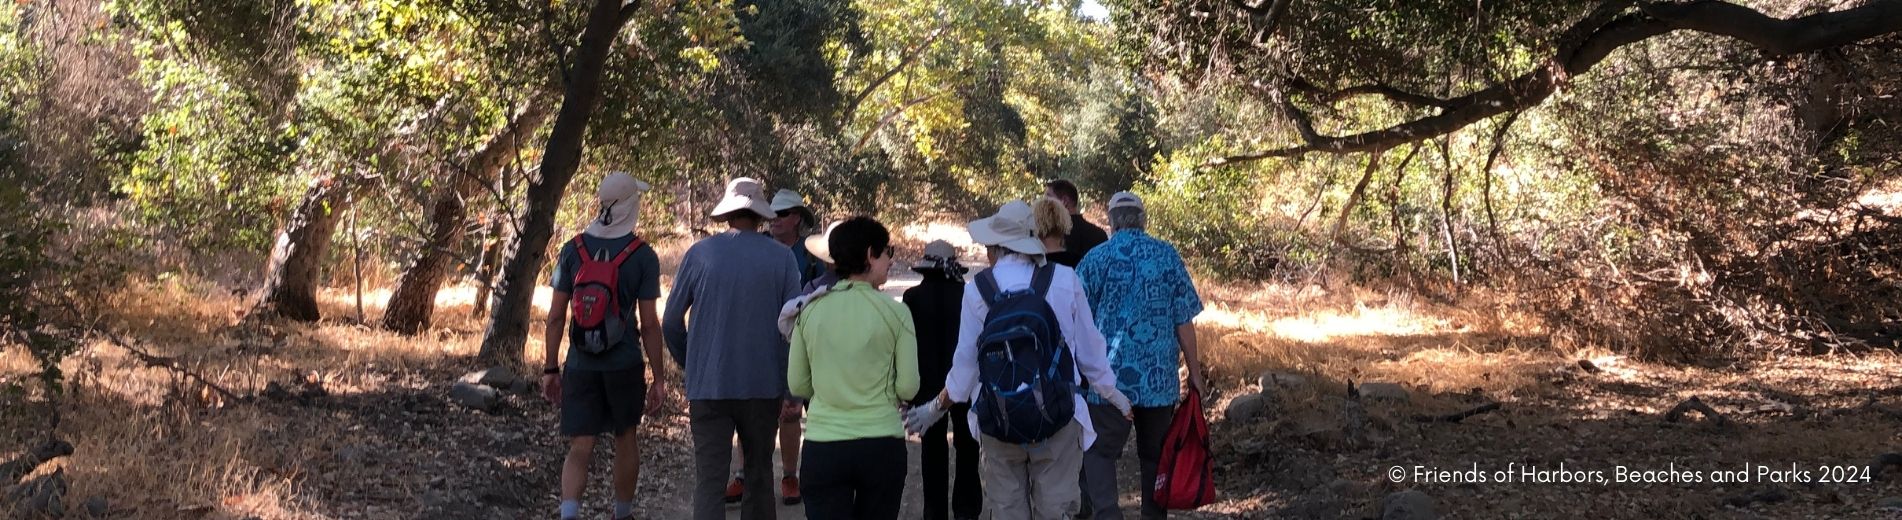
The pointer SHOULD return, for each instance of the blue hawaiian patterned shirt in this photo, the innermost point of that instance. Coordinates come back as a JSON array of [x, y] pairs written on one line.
[[1139, 292]]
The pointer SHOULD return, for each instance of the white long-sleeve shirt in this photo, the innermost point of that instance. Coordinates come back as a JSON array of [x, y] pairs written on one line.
[[1072, 308]]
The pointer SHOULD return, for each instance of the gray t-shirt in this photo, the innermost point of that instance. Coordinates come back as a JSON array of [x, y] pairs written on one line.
[[640, 280], [734, 284]]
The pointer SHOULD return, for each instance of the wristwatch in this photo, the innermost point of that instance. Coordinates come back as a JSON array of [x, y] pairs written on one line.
[[553, 370]]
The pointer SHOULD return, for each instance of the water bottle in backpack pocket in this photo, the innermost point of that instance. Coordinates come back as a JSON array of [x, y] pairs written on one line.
[[1026, 375], [596, 320]]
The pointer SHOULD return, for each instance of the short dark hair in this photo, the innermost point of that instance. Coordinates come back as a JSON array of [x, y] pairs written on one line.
[[852, 240], [1063, 188]]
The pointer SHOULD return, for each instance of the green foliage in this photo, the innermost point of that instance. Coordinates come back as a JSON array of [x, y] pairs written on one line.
[[23, 256], [1213, 219]]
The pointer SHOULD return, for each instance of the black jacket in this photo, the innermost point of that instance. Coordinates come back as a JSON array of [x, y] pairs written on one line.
[[936, 304], [1083, 237]]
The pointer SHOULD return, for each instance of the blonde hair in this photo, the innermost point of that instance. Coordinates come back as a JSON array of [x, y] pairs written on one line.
[[1050, 218]]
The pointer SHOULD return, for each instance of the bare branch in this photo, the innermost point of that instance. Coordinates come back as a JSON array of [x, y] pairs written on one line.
[[910, 57], [1375, 89], [168, 364], [12, 471], [628, 10], [1354, 197], [1499, 145], [1779, 36], [883, 121], [1592, 39], [1460, 416], [1269, 16], [1694, 404], [1302, 123]]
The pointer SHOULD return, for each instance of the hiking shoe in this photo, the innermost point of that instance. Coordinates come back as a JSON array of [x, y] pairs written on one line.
[[735, 490], [789, 489]]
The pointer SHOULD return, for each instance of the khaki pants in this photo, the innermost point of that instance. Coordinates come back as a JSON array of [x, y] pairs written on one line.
[[1032, 481]]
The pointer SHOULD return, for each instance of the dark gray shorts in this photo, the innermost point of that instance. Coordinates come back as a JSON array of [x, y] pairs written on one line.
[[596, 402]]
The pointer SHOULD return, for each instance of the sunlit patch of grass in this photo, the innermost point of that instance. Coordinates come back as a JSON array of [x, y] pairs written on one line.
[[1363, 335]]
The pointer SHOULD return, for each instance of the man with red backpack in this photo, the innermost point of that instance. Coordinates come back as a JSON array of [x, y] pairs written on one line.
[[600, 279]]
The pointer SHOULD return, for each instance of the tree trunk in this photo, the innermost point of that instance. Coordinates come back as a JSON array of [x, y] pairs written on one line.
[[508, 322], [290, 280], [414, 300], [486, 270]]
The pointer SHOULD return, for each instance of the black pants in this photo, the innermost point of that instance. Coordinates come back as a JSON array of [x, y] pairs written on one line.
[[1099, 463], [714, 422], [858, 479], [967, 494]]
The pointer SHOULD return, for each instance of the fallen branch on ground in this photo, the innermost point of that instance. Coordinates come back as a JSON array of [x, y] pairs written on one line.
[[168, 364], [11, 471], [1459, 416], [37, 498], [1871, 404], [1710, 414], [1883, 462]]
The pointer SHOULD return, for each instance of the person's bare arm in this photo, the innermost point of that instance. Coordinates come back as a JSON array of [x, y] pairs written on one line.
[[652, 343], [1192, 356], [556, 328], [659, 394]]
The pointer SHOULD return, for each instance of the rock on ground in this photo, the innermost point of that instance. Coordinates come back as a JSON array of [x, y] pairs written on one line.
[[500, 378], [1384, 392], [1407, 505], [1247, 407], [474, 396]]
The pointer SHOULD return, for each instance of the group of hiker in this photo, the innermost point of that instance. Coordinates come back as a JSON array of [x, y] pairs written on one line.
[[1038, 370]]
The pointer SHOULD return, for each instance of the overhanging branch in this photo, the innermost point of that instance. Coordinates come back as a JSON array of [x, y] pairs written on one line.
[[1376, 89], [1591, 40]]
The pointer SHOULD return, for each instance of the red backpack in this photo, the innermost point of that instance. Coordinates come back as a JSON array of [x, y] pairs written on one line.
[[595, 316], [1183, 477]]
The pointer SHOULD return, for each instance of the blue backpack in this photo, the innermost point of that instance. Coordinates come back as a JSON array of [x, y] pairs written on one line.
[[1025, 372]]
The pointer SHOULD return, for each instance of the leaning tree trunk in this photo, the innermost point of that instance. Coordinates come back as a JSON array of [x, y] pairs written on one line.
[[494, 236], [414, 300], [290, 281], [508, 322]]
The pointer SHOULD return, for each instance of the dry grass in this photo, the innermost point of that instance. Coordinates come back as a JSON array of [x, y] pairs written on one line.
[[1359, 334], [148, 440]]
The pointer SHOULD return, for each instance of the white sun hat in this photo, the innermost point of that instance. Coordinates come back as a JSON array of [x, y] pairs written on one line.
[[787, 199], [1009, 228], [817, 245], [620, 204], [742, 194]]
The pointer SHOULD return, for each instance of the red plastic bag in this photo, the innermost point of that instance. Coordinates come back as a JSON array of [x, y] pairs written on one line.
[[1184, 479]]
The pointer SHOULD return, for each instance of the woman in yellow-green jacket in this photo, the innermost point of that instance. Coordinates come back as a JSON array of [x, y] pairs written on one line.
[[855, 356]]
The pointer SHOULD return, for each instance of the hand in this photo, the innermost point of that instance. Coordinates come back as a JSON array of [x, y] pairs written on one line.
[[790, 410], [1199, 383], [660, 397], [921, 417], [551, 388]]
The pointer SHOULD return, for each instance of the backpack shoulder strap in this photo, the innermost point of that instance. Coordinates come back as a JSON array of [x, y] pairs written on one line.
[[581, 250], [987, 285], [628, 251], [1040, 281]]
